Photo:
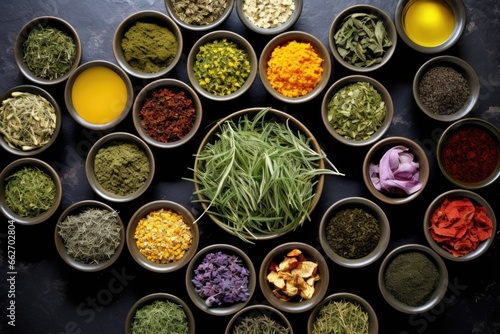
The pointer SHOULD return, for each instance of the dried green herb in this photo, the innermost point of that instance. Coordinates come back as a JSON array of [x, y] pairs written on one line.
[[261, 324], [341, 317], [27, 121], [221, 67], [92, 235], [357, 111], [353, 233], [161, 316], [362, 39], [199, 12], [49, 52], [29, 192]]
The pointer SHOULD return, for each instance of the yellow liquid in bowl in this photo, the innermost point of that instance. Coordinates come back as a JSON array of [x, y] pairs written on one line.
[[99, 95], [428, 23]]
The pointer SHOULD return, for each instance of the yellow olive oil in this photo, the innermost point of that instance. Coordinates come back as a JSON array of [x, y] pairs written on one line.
[[99, 95], [428, 23]]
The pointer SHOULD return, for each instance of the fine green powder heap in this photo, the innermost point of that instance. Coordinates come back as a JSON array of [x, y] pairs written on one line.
[[411, 278], [148, 47], [121, 168]]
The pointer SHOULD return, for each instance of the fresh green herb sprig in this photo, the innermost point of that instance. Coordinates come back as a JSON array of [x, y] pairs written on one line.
[[357, 111], [261, 324], [29, 192], [161, 316], [92, 235], [342, 317], [27, 121], [49, 52], [362, 39], [221, 67], [259, 176]]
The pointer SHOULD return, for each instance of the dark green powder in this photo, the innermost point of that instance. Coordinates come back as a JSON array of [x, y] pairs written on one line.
[[121, 168], [411, 278]]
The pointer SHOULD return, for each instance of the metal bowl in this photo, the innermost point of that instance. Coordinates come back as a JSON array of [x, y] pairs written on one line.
[[258, 310]]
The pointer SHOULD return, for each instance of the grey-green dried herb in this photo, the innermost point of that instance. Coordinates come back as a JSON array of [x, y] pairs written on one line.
[[49, 52], [341, 317], [27, 121], [261, 324], [29, 192], [362, 40], [199, 12], [357, 111], [353, 233], [161, 316], [91, 236], [443, 90]]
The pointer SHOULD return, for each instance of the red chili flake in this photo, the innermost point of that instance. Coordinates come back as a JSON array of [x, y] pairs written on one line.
[[470, 154], [459, 226], [167, 115]]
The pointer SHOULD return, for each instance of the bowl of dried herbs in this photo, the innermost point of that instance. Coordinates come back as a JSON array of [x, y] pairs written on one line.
[[30, 120], [357, 110], [221, 279], [89, 235], [343, 312], [354, 232], [294, 277], [147, 44], [259, 318], [30, 191], [222, 65], [47, 50], [362, 38], [160, 313], [199, 15]]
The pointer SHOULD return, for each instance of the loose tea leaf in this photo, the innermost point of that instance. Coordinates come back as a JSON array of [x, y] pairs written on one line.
[[260, 324], [161, 316], [357, 111], [199, 12], [362, 39], [341, 316]]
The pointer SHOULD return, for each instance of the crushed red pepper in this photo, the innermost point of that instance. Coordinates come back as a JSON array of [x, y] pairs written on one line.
[[459, 226], [167, 115]]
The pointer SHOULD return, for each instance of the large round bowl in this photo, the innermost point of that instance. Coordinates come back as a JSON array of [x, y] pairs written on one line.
[[141, 213], [151, 298], [58, 121], [349, 298], [273, 116], [462, 67], [258, 24], [242, 259], [371, 208], [176, 86], [430, 22], [320, 275], [363, 9], [349, 80], [301, 37], [107, 140], [220, 35], [52, 22], [469, 156], [477, 201], [258, 311], [76, 208], [182, 22], [375, 154], [146, 16], [17, 165], [439, 290]]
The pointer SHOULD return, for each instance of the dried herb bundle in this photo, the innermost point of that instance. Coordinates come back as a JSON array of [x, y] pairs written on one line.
[[161, 316], [29, 192], [49, 52], [261, 324], [362, 39], [92, 235], [342, 317], [27, 121]]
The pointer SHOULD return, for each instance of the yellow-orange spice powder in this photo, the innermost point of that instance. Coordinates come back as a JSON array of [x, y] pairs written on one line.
[[294, 69]]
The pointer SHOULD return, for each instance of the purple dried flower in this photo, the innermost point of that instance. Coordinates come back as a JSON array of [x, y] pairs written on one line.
[[221, 279]]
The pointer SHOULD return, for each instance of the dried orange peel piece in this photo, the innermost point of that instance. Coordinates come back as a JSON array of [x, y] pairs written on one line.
[[293, 276]]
